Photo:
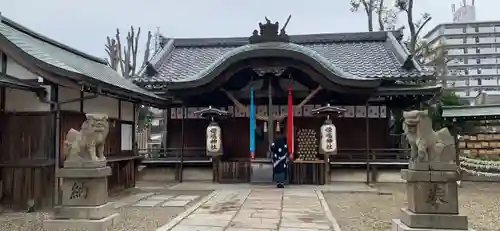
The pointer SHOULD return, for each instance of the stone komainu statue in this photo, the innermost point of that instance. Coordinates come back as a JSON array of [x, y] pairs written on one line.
[[88, 143], [426, 144]]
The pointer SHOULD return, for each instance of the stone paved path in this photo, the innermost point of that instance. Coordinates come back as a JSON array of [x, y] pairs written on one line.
[[154, 200], [165, 200], [258, 210]]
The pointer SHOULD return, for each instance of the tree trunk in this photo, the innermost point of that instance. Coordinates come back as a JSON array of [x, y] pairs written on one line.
[[380, 15], [370, 21], [411, 25], [369, 13]]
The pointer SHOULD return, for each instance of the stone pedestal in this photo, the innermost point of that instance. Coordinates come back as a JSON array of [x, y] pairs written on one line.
[[85, 203], [432, 196]]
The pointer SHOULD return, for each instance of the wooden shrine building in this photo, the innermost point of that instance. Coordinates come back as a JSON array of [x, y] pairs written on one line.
[[370, 75], [45, 90]]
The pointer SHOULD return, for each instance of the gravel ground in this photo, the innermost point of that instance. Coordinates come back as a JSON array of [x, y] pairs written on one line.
[[372, 211], [132, 218]]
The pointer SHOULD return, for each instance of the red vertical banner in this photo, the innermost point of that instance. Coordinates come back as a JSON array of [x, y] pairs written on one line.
[[289, 123]]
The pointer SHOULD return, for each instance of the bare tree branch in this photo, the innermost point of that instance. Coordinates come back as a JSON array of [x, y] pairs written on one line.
[[414, 27], [147, 51], [422, 25], [111, 50], [135, 46], [124, 56], [119, 47]]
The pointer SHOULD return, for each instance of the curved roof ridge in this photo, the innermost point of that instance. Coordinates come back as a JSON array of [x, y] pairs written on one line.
[[299, 39], [46, 39]]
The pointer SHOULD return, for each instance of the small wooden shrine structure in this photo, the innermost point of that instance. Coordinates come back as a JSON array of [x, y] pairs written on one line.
[[370, 76], [45, 90]]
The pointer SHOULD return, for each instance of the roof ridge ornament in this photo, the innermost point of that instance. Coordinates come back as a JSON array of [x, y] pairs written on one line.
[[269, 32]]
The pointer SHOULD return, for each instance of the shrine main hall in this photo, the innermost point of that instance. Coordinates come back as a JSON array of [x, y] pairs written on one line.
[[359, 83]]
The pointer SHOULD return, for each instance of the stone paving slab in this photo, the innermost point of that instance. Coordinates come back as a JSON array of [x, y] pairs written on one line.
[[196, 228], [247, 229], [152, 200], [258, 210], [186, 197], [147, 203], [132, 199], [299, 229], [175, 203], [161, 197]]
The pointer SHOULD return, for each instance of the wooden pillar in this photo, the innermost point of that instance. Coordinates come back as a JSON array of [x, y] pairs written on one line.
[[327, 169], [270, 121], [134, 129], [215, 168], [54, 96], [181, 164], [119, 109], [455, 131], [82, 94], [166, 117], [367, 138]]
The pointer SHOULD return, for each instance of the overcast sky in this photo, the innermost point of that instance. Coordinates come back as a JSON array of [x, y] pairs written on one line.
[[85, 24]]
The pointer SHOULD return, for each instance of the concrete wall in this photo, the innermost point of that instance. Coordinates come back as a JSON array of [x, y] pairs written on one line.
[[66, 94], [19, 100], [127, 111], [101, 104], [23, 101], [18, 71]]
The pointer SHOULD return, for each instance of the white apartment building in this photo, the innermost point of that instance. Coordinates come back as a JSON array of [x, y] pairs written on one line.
[[473, 49]]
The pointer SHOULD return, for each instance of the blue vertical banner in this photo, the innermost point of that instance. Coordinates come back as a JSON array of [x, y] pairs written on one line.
[[252, 124]]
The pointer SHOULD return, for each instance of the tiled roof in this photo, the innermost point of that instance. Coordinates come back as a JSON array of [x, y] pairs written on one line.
[[370, 55], [66, 58]]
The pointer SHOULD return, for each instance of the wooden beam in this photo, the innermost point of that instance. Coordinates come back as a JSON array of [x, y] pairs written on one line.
[[263, 94]]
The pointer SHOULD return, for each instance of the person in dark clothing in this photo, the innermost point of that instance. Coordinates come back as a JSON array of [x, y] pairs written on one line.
[[279, 150]]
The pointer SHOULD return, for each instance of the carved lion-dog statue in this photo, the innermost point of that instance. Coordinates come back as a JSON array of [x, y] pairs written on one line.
[[88, 143], [426, 144]]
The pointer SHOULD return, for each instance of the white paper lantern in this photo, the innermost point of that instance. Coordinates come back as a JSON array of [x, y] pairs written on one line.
[[214, 139], [328, 142]]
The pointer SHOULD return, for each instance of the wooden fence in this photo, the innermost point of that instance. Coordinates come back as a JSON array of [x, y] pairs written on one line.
[[142, 139], [27, 158]]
